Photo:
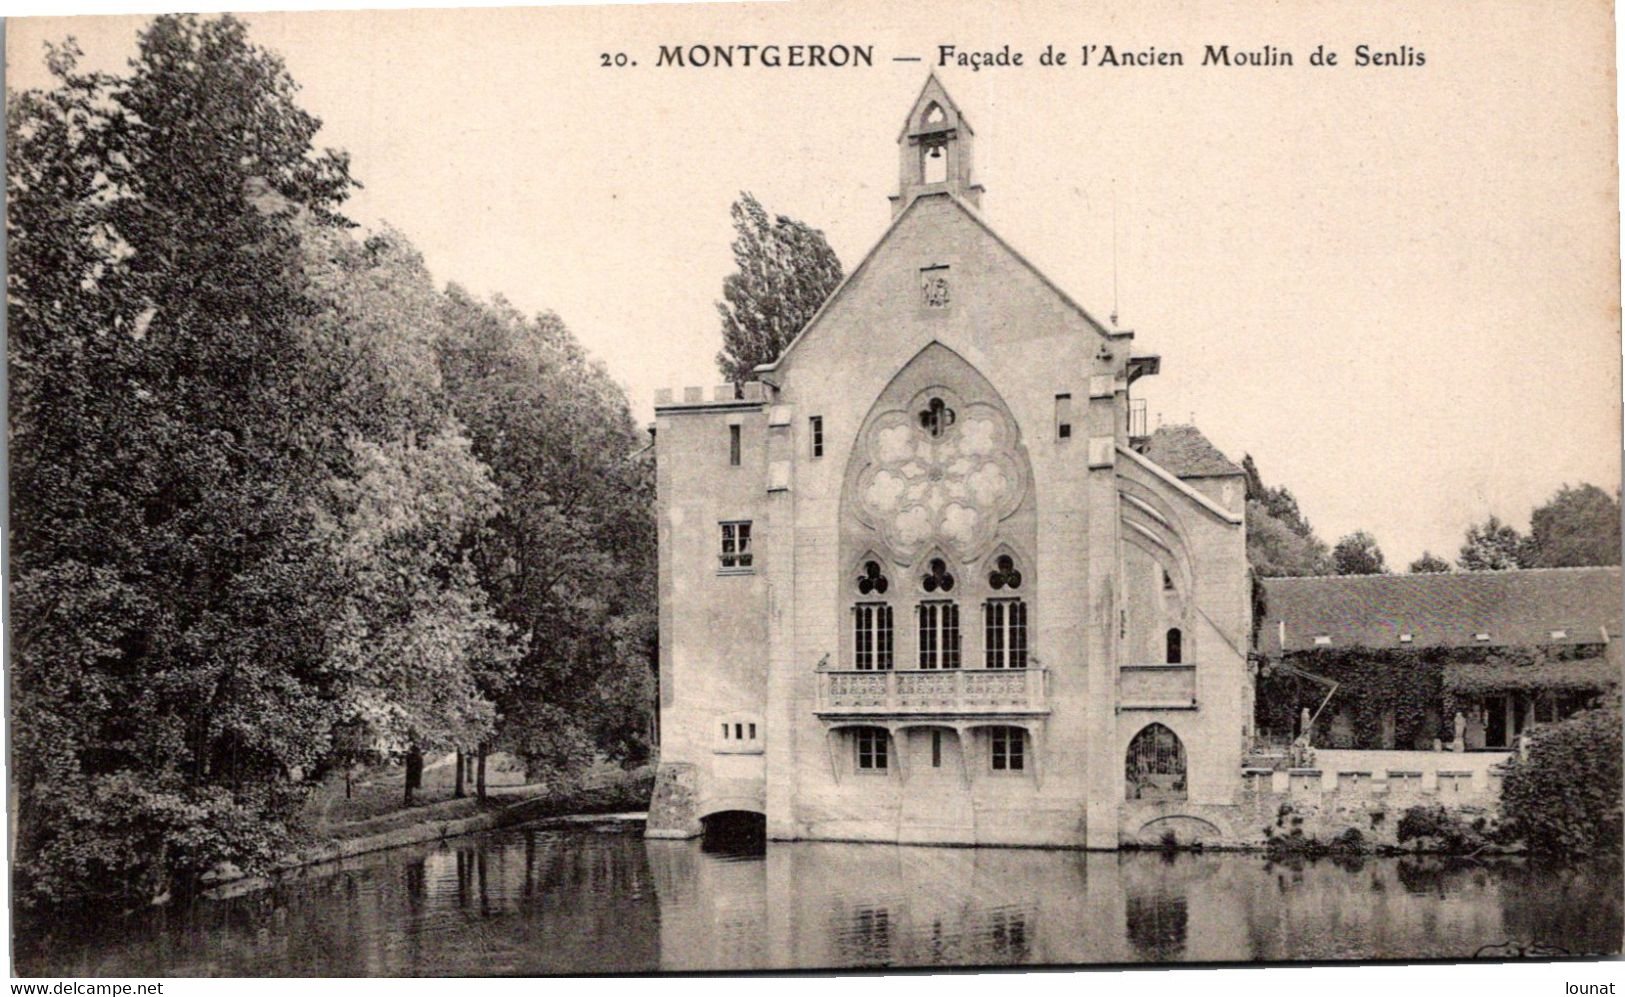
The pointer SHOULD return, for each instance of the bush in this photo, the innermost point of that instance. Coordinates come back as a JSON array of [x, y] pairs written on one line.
[[1435, 828], [1295, 844], [1564, 798], [1349, 841]]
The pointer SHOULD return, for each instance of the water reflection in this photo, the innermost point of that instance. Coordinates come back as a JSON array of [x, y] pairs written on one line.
[[603, 900]]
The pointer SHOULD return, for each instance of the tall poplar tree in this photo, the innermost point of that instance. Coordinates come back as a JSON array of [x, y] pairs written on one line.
[[786, 272]]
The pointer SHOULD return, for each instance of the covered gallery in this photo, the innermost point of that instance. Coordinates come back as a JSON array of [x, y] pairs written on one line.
[[1462, 660]]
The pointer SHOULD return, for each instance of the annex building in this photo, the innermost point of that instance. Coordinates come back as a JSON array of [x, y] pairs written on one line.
[[923, 581], [1462, 660]]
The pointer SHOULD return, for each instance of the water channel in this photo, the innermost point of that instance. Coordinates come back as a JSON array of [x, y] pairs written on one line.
[[600, 898]]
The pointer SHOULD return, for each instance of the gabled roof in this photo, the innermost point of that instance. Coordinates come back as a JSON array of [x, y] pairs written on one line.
[[1449, 609], [1186, 453], [975, 216], [933, 90]]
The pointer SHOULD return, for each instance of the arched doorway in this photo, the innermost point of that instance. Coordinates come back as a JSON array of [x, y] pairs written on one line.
[[1154, 768]]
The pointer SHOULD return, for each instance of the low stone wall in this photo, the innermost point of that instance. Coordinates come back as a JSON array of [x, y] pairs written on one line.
[[1366, 791]]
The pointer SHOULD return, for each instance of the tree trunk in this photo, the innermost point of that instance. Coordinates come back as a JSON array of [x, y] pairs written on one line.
[[348, 771], [414, 772], [457, 793], [479, 778]]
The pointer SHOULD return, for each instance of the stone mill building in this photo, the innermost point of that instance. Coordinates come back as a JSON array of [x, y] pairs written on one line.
[[926, 580]]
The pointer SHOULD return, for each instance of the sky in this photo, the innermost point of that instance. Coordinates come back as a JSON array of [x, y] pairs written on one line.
[[1397, 288]]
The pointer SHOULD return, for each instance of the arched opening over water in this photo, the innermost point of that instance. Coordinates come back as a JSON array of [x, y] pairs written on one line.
[[734, 832]]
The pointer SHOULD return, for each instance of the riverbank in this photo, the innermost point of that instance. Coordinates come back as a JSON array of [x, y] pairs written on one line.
[[622, 799]]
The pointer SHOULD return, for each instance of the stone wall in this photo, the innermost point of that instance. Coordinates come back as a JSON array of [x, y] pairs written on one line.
[[1368, 791], [673, 805]]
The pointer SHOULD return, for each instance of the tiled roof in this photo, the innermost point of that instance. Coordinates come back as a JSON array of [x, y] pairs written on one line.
[[1578, 674], [1513, 608], [1185, 453]]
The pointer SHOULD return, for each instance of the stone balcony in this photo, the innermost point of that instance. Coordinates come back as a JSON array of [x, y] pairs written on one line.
[[1156, 687], [954, 692]]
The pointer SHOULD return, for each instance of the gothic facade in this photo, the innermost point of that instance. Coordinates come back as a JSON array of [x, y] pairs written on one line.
[[927, 580]]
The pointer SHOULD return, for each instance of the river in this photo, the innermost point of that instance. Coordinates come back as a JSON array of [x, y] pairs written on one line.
[[600, 898]]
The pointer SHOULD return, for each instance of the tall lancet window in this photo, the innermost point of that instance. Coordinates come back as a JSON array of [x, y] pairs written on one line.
[[872, 621], [1004, 617]]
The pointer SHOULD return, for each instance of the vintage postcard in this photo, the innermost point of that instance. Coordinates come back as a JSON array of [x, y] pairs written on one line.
[[813, 487]]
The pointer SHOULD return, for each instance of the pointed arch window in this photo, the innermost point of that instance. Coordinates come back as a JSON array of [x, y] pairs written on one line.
[[872, 621], [1004, 617]]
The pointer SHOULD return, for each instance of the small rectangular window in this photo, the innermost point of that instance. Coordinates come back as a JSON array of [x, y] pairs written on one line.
[[815, 426], [753, 732], [739, 732], [724, 732], [1009, 749], [736, 553], [733, 446], [1063, 417], [871, 744], [936, 749]]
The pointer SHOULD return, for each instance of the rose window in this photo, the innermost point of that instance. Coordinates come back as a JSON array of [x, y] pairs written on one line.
[[939, 472]]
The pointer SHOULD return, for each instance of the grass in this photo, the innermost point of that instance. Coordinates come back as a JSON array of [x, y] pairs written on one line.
[[376, 802]]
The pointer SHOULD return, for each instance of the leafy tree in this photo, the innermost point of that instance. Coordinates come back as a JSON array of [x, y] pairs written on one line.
[[1279, 501], [1577, 526], [570, 568], [420, 655], [1493, 546], [1280, 541], [1564, 798], [786, 271], [415, 645], [1358, 554], [168, 674], [1428, 564]]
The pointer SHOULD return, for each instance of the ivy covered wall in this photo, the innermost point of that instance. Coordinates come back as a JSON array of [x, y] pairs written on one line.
[[1415, 690]]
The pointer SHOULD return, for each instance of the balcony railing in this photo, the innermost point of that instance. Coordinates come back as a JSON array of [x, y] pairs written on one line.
[[952, 691]]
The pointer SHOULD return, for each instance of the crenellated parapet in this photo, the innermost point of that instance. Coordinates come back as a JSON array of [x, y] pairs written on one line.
[[749, 393]]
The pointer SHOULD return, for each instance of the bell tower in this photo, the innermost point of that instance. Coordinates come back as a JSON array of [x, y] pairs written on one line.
[[934, 150]]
